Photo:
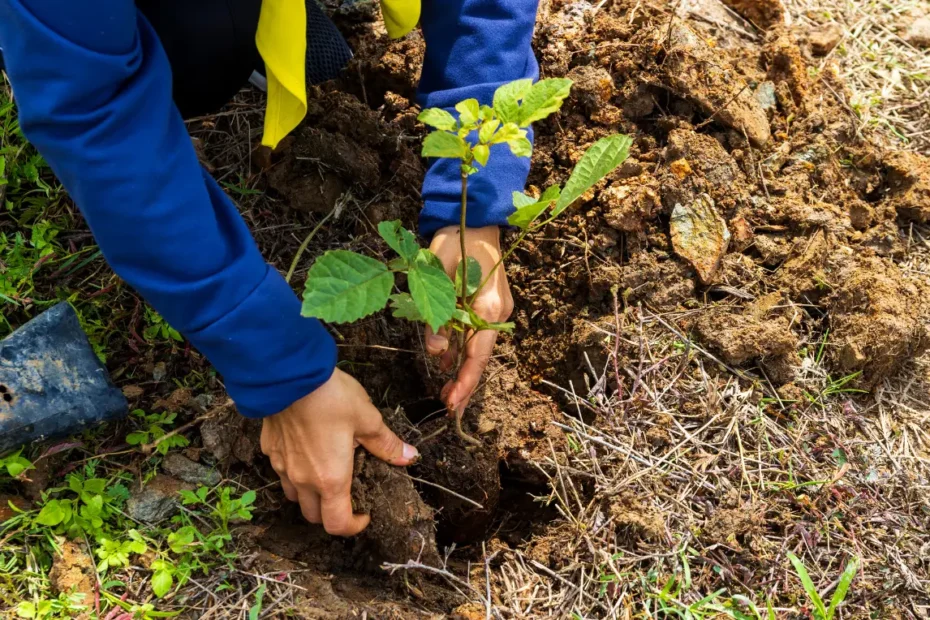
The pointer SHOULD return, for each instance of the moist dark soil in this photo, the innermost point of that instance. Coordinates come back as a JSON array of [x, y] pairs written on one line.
[[812, 212]]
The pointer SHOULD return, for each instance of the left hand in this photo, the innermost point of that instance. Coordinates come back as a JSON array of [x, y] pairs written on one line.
[[493, 303]]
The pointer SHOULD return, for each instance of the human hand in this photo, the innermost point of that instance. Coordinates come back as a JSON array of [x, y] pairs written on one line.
[[493, 303], [312, 444]]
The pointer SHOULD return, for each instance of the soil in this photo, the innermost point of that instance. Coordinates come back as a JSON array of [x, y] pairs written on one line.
[[73, 571], [805, 213]]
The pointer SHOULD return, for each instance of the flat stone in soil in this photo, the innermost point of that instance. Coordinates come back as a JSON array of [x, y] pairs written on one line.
[[187, 470], [158, 500]]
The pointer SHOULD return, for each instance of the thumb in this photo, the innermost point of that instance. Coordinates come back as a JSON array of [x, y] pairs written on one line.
[[384, 444]]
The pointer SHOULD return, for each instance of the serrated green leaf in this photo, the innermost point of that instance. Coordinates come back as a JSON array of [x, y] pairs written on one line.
[[403, 307], [481, 153], [469, 111], [462, 317], [524, 216], [521, 147], [161, 582], [486, 113], [522, 200], [507, 327], [432, 292], [442, 144], [507, 100], [601, 159], [544, 98], [399, 239], [343, 286], [474, 277], [438, 119], [508, 133], [487, 130], [427, 257], [552, 193]]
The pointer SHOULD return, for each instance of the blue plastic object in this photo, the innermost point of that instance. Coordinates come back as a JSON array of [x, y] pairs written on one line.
[[51, 382]]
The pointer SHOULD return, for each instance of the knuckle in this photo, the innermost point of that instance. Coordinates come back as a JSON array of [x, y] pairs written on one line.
[[329, 483], [488, 307], [300, 478], [337, 527]]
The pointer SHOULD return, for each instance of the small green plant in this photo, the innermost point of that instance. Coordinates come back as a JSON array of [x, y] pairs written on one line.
[[820, 610], [15, 464], [65, 606], [158, 328], [343, 286], [115, 553], [154, 430]]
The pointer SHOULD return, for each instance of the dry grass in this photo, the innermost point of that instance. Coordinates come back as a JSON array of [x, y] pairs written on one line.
[[888, 77]]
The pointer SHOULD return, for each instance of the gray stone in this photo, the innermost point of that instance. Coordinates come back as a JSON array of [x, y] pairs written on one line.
[[187, 470], [158, 500], [918, 34], [765, 95]]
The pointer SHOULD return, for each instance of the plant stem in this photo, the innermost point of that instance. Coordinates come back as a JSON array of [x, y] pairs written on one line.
[[464, 292], [303, 246]]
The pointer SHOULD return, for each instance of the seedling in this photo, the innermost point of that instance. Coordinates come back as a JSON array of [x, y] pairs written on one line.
[[820, 609], [343, 286]]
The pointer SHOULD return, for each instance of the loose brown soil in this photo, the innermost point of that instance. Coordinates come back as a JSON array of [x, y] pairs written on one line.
[[812, 211]]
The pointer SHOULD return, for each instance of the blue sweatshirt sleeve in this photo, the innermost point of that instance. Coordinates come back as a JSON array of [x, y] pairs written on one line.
[[93, 90], [472, 48]]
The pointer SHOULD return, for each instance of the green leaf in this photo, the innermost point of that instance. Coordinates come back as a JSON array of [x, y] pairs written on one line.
[[136, 438], [469, 111], [95, 485], [26, 610], [442, 144], [343, 286], [427, 257], [507, 100], [400, 239], [524, 216], [15, 465], [433, 293], [521, 147], [601, 159], [481, 153], [808, 584], [403, 307], [508, 133], [474, 277], [486, 113], [544, 98], [846, 579], [487, 130], [437, 118], [462, 316], [507, 327], [521, 200], [51, 514], [177, 541], [161, 582], [247, 498], [256, 609]]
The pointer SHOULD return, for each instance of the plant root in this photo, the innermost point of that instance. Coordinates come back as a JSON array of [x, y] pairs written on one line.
[[461, 433]]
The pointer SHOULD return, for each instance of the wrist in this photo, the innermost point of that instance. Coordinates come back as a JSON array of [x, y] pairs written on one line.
[[485, 236]]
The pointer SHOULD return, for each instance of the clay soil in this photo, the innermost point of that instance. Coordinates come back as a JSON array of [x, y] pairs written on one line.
[[702, 371]]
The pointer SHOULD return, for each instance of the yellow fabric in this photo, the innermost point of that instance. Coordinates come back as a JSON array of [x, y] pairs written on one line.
[[400, 16], [282, 41]]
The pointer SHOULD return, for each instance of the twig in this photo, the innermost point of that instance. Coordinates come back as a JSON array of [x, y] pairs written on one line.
[[442, 488], [306, 242], [149, 447]]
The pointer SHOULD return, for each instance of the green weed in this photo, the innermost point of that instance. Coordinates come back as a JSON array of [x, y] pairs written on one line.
[[820, 610]]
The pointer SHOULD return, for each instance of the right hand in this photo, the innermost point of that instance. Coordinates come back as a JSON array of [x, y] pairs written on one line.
[[312, 444]]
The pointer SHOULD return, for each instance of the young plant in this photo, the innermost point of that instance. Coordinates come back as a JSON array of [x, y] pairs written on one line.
[[343, 286], [821, 611], [154, 430]]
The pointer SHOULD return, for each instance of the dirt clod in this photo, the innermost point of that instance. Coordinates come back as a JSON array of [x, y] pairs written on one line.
[[73, 571]]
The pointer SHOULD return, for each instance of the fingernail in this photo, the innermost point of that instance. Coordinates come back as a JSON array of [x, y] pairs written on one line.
[[438, 343], [410, 453]]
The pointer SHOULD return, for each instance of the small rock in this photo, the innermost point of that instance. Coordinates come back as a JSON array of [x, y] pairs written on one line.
[[158, 500], [825, 38], [176, 401], [765, 95], [159, 372], [187, 470], [132, 392], [918, 34], [700, 235]]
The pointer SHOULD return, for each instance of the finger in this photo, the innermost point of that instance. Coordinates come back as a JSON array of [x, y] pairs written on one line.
[[310, 506], [338, 519], [477, 354], [447, 361], [436, 343], [290, 491], [381, 441]]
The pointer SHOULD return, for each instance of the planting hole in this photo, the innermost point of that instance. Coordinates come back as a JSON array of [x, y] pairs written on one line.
[[426, 409]]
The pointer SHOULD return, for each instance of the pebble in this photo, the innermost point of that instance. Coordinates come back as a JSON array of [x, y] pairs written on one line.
[[187, 470]]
